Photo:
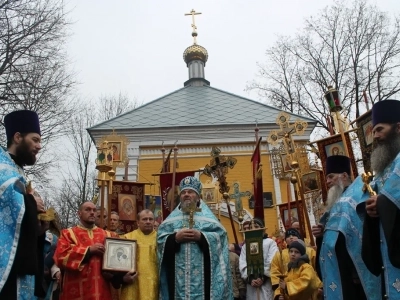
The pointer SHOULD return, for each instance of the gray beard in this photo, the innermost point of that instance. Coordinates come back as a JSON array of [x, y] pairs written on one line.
[[385, 152], [334, 194]]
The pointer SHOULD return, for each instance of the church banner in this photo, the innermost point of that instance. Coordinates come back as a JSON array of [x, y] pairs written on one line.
[[334, 145], [254, 253], [167, 194], [127, 199]]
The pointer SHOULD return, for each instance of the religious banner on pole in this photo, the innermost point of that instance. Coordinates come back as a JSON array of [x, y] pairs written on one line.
[[366, 138], [167, 192], [334, 145], [254, 253], [257, 182], [127, 199]]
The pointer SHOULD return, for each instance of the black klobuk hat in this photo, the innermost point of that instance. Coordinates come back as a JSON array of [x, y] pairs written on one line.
[[23, 121], [337, 164], [386, 111]]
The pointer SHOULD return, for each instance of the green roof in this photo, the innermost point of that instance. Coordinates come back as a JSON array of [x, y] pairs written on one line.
[[196, 106]]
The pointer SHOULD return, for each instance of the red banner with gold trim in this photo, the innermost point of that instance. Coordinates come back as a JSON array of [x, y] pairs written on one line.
[[127, 200]]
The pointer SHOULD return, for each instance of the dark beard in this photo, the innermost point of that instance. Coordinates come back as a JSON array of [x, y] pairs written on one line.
[[24, 155], [385, 152]]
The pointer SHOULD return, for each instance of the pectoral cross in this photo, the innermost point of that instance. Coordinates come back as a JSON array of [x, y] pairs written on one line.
[[366, 178], [190, 208], [218, 167]]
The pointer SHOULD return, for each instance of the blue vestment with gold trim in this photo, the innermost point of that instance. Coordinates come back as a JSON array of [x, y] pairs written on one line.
[[12, 209], [387, 184], [344, 218], [188, 270]]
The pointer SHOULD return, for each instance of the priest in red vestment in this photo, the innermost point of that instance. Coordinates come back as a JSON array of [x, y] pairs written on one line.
[[79, 254]]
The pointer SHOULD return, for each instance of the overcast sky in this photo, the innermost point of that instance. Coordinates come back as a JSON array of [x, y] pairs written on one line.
[[136, 46]]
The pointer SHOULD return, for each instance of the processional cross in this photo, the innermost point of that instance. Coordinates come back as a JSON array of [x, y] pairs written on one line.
[[218, 168], [194, 33], [286, 132], [237, 196]]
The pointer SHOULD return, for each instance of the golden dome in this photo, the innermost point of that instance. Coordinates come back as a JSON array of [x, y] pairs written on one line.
[[195, 52]]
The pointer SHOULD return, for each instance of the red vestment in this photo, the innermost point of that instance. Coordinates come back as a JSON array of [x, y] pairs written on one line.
[[82, 281]]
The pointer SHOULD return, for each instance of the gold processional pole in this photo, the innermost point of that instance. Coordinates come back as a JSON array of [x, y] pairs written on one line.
[[282, 268], [104, 163], [292, 154], [296, 180]]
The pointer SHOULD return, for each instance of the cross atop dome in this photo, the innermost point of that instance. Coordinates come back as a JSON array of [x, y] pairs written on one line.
[[195, 57], [194, 32]]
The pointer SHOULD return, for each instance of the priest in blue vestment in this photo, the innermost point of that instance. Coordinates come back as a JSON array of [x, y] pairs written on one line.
[[193, 250], [339, 235], [22, 242], [381, 239]]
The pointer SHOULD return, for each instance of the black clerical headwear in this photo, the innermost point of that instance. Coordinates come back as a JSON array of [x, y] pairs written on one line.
[[337, 164], [23, 121], [386, 111]]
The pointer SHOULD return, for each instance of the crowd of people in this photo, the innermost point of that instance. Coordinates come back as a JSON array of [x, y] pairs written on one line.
[[357, 255]]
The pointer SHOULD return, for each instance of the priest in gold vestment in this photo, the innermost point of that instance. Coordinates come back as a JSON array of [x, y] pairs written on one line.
[[145, 287]]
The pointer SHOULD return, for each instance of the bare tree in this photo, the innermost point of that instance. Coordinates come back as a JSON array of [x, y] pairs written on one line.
[[80, 182], [66, 206], [351, 46], [83, 156], [112, 106], [33, 66], [78, 170]]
